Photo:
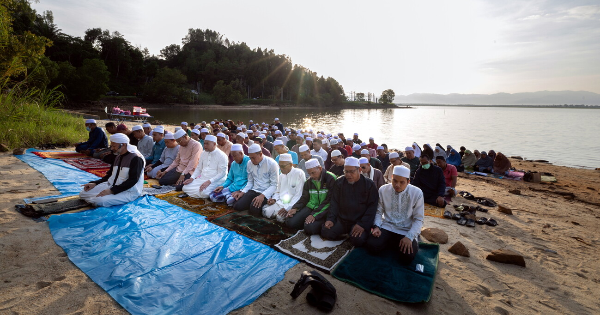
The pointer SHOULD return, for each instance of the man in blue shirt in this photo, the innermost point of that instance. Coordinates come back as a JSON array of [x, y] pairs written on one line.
[[236, 178], [97, 139], [282, 149], [159, 145]]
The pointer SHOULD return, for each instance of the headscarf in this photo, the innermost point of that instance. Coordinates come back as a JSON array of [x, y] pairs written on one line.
[[492, 154], [501, 164], [469, 159], [439, 151], [477, 154], [454, 158], [417, 149], [449, 149], [428, 151]]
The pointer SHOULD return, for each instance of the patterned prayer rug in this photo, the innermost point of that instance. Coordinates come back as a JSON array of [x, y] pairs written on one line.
[[90, 165], [268, 232], [60, 155], [314, 250], [434, 211], [202, 207]]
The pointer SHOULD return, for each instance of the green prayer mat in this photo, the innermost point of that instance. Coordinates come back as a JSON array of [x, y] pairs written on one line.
[[383, 275], [266, 231]]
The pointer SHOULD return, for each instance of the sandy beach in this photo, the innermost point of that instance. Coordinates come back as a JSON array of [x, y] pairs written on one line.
[[554, 226]]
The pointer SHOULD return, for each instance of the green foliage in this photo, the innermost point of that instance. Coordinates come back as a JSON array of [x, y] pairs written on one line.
[[167, 87], [225, 94], [87, 82], [360, 97], [387, 96]]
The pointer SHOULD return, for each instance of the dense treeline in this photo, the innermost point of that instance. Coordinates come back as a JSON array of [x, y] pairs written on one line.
[[205, 68]]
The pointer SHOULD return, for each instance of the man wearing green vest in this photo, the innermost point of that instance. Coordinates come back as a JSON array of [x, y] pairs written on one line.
[[314, 202]]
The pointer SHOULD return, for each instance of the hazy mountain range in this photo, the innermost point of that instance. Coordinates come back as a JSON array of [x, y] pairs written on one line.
[[527, 98]]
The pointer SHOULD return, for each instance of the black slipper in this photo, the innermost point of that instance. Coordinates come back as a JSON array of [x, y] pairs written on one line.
[[459, 208], [456, 216], [467, 195], [486, 202], [478, 208], [470, 223], [183, 195], [447, 214], [491, 222], [481, 221], [462, 221]]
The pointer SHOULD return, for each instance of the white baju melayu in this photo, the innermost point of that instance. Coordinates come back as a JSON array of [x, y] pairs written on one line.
[[322, 153], [145, 146], [289, 191], [401, 213], [211, 166]]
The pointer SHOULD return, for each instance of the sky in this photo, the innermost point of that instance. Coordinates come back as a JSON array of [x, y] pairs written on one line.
[[471, 46]]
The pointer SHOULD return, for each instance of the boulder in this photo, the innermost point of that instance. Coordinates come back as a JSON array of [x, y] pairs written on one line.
[[515, 191], [505, 209], [3, 148], [435, 235], [459, 249], [506, 256], [19, 151]]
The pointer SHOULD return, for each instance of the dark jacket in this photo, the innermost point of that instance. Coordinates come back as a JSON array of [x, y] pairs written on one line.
[[317, 199], [354, 202], [432, 181]]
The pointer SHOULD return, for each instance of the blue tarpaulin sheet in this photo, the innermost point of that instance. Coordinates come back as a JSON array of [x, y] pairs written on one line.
[[156, 258], [65, 177]]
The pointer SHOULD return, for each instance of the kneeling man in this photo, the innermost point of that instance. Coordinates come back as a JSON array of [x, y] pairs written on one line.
[[210, 172], [399, 217], [289, 190], [123, 182]]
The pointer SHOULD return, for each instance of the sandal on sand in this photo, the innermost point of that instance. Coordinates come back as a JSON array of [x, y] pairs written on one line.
[[486, 202], [478, 208], [456, 216], [447, 214], [481, 221], [491, 222], [462, 221], [470, 223], [467, 195], [459, 208]]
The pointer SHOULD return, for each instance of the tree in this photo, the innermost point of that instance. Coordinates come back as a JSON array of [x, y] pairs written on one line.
[[387, 96], [225, 94], [360, 97], [167, 87]]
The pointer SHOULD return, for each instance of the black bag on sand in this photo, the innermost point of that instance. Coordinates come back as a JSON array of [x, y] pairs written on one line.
[[322, 295]]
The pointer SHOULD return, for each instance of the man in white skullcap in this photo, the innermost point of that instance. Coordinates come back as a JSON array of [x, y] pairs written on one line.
[[394, 161], [278, 124], [352, 207], [383, 157], [263, 175], [184, 127], [337, 163], [96, 139], [355, 139], [210, 172], [356, 151], [147, 129], [373, 161], [145, 142], [305, 156], [399, 217], [168, 155], [370, 172], [364, 146], [310, 211], [335, 145], [372, 145], [195, 134], [123, 182], [289, 190], [158, 147], [185, 163], [240, 137], [318, 149], [412, 160], [280, 148], [309, 142], [202, 136], [237, 177], [223, 144]]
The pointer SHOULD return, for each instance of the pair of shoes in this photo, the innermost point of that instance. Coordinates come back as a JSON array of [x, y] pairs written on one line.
[[478, 208], [486, 202], [447, 214], [322, 295], [467, 195], [490, 222], [466, 222]]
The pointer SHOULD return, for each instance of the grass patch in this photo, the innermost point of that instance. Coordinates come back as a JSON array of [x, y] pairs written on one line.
[[31, 118]]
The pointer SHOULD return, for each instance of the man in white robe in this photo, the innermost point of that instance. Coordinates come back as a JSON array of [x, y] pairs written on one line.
[[289, 190], [210, 173], [399, 217]]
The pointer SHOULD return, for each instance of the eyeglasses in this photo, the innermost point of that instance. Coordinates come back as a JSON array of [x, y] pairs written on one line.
[[348, 172]]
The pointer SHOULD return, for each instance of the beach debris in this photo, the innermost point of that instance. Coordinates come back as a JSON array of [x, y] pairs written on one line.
[[579, 239], [506, 256], [551, 251], [435, 235], [505, 209], [18, 151], [575, 223], [515, 191], [459, 249], [516, 157], [3, 148]]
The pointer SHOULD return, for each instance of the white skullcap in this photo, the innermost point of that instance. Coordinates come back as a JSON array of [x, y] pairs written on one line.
[[119, 138], [146, 125], [286, 157], [334, 141], [371, 138], [380, 148], [356, 134], [220, 124], [308, 139], [137, 127], [363, 144], [237, 147], [262, 136], [90, 121], [409, 149], [158, 130], [303, 148], [243, 126], [276, 119], [364, 151], [196, 131], [336, 153], [250, 142], [243, 135], [277, 132], [239, 128], [278, 142], [312, 163], [251, 121], [300, 136], [197, 127], [249, 131], [352, 161], [263, 132], [169, 136], [212, 122], [203, 122], [204, 130], [275, 127], [184, 123], [394, 155], [210, 138], [220, 134], [402, 170], [356, 147], [255, 148], [180, 133], [363, 160]]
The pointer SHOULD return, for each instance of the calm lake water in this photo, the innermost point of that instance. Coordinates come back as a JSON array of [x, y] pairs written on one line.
[[563, 136]]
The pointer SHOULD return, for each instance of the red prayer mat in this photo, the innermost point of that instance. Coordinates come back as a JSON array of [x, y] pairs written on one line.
[[60, 155], [99, 172], [87, 163]]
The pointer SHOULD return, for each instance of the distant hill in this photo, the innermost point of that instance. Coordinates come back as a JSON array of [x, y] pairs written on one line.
[[528, 98]]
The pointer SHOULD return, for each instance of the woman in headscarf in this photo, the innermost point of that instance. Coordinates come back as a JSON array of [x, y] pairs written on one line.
[[417, 149], [439, 151], [469, 159], [492, 154], [501, 164], [477, 154], [453, 158], [428, 151], [449, 149]]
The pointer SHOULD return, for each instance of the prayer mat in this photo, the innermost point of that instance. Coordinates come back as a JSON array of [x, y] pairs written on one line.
[[202, 207], [268, 232], [99, 172], [59, 155], [434, 211], [383, 275], [157, 191], [59, 206], [314, 250], [90, 165], [548, 179]]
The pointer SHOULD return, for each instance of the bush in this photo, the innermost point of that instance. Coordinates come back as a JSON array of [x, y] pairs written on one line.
[[225, 94]]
